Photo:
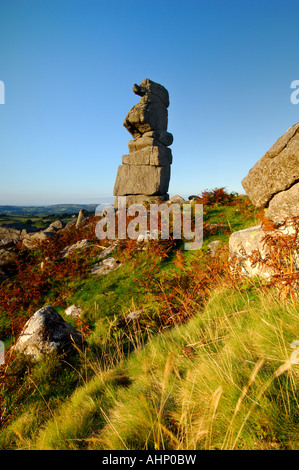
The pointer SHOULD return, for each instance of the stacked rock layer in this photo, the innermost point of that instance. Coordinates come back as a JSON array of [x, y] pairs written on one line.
[[145, 172]]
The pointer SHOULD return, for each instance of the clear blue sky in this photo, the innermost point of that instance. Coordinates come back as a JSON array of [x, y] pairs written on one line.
[[69, 66]]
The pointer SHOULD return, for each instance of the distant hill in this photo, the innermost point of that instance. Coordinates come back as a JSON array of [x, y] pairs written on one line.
[[57, 209]]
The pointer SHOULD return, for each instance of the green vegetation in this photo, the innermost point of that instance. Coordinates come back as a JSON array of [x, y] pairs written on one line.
[[42, 216], [42, 211], [206, 365]]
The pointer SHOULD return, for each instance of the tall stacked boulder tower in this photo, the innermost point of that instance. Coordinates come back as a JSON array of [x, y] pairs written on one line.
[[145, 172]]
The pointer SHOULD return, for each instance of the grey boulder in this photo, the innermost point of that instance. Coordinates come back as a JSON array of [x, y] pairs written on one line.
[[284, 204], [244, 244], [82, 218], [54, 226], [176, 200], [276, 171], [105, 266], [46, 332], [73, 311], [80, 245]]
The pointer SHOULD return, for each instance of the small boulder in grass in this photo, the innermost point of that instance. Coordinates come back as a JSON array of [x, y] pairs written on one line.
[[105, 266], [73, 311], [176, 200], [80, 245], [46, 332]]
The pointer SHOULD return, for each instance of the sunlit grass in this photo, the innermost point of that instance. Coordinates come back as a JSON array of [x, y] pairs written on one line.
[[222, 381]]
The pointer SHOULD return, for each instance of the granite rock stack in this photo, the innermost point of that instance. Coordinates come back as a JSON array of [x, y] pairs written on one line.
[[145, 172]]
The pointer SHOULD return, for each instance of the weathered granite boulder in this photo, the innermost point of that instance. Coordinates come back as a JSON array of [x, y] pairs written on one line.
[[284, 204], [242, 244], [32, 240], [82, 217], [73, 311], [46, 332], [273, 184], [108, 250], [176, 200], [7, 256], [9, 234], [276, 171], [80, 245], [145, 171], [14, 232], [105, 266], [54, 226], [251, 252]]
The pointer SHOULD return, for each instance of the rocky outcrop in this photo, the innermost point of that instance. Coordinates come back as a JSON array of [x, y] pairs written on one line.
[[32, 240], [7, 256], [145, 172], [273, 182], [12, 233], [46, 332]]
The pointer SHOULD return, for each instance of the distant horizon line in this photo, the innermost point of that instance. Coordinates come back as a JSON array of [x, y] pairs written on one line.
[[49, 205], [102, 200]]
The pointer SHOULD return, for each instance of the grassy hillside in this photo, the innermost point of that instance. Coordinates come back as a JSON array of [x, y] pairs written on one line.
[[205, 365]]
